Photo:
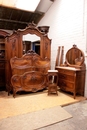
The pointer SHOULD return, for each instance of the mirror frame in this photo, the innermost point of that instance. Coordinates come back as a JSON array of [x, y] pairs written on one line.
[[81, 61], [45, 42]]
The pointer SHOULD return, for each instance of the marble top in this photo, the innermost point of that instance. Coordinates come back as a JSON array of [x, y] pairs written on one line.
[[68, 68], [52, 70]]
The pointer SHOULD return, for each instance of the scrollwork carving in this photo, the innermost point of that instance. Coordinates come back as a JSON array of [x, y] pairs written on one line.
[[46, 46]]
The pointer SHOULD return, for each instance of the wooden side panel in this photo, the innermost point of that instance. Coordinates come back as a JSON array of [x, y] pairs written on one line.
[[12, 49], [45, 47]]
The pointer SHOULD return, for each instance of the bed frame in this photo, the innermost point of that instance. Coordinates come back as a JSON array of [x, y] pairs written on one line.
[[29, 73]]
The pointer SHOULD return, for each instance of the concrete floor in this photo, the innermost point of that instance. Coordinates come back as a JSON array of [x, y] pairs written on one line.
[[77, 122]]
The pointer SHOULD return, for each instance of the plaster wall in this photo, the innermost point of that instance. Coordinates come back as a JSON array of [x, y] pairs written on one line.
[[68, 25]]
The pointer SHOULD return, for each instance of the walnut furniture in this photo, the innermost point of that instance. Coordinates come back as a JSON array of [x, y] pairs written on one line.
[[14, 47], [52, 81], [29, 73], [71, 75], [3, 50]]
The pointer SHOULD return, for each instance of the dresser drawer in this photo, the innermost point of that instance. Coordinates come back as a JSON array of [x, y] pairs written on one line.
[[64, 85], [68, 72], [66, 77]]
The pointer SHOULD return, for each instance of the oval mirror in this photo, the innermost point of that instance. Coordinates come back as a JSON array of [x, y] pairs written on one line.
[[74, 56]]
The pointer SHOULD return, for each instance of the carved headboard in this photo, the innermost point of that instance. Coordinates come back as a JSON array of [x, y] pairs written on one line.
[[30, 61]]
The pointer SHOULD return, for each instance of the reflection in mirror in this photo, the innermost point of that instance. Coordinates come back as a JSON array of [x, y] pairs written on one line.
[[31, 42], [74, 56]]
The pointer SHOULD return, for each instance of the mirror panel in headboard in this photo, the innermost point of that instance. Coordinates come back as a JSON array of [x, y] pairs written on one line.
[[31, 42], [43, 40]]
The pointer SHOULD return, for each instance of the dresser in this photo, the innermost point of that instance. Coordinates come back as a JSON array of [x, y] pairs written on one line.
[[71, 75], [71, 80]]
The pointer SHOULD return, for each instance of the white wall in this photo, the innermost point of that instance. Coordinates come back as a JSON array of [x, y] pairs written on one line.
[[67, 21]]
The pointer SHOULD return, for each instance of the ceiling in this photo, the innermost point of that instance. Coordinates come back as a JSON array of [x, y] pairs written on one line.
[[13, 19]]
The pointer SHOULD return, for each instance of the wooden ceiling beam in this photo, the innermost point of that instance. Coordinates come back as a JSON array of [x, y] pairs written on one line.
[[14, 21]]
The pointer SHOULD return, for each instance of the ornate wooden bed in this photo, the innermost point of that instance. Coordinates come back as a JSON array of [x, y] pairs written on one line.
[[29, 73]]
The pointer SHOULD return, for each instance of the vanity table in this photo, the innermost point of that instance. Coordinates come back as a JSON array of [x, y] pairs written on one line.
[[71, 75]]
